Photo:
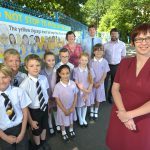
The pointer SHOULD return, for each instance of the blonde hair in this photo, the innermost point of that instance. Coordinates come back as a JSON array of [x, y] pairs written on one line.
[[90, 77], [9, 52], [6, 70], [32, 57]]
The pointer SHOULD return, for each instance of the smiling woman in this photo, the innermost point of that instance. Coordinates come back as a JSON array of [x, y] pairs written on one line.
[[74, 49], [132, 101]]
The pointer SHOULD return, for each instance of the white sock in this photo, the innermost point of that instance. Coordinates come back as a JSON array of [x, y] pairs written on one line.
[[63, 132], [50, 120], [84, 111], [96, 109], [55, 117], [91, 109], [79, 115]]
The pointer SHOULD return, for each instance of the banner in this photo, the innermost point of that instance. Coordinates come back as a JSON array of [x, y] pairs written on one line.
[[29, 34]]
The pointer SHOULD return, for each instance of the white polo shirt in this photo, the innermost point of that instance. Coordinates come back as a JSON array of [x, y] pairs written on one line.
[[19, 100], [29, 85]]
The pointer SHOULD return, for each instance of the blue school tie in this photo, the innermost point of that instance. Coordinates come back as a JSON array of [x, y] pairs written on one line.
[[43, 104], [9, 108], [16, 83], [92, 45]]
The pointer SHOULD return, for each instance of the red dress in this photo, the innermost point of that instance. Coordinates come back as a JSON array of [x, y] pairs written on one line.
[[135, 91]]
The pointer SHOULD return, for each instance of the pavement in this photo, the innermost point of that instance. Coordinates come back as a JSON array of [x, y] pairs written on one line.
[[90, 138]]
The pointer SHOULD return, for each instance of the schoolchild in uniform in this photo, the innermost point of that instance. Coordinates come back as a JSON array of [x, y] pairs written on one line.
[[65, 93], [100, 67], [12, 59], [13, 113], [64, 60], [36, 87], [83, 76], [48, 71]]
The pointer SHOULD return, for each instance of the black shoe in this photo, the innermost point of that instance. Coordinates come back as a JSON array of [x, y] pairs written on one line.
[[46, 146], [85, 125], [51, 131], [65, 138], [81, 125], [58, 129], [72, 134]]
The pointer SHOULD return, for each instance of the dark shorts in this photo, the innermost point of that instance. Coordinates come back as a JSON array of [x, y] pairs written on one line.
[[41, 117], [23, 145]]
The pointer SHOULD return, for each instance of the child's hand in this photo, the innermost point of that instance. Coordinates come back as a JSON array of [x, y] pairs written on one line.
[[67, 112], [80, 86], [19, 138], [11, 139], [34, 125], [71, 109], [85, 97], [97, 85]]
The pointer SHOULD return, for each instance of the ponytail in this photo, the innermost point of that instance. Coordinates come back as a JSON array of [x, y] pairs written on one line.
[[90, 77]]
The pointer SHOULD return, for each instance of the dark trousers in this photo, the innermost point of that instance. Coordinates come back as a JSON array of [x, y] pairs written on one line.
[[23, 145], [109, 81]]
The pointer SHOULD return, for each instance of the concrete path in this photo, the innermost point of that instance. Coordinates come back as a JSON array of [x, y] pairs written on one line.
[[90, 138]]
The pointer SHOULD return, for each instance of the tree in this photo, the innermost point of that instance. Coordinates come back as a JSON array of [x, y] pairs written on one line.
[[125, 15], [69, 8], [94, 10]]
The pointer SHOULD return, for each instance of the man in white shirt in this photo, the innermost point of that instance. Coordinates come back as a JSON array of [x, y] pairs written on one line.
[[91, 40], [115, 50]]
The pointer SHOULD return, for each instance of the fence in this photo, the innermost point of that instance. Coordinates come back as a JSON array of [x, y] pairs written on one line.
[[58, 17]]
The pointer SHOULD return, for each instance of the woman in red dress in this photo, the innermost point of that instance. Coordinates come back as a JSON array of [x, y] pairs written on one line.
[[74, 49], [129, 127]]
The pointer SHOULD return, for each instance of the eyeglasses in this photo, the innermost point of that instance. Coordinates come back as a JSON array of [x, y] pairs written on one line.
[[140, 40], [99, 49], [64, 56]]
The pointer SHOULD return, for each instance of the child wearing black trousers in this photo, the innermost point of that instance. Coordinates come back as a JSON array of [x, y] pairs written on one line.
[[36, 86], [13, 113]]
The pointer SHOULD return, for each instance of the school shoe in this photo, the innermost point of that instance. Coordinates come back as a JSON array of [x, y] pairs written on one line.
[[95, 115], [51, 130], [85, 124], [91, 114], [72, 134], [41, 148], [46, 146], [81, 124], [31, 146], [58, 128], [65, 138]]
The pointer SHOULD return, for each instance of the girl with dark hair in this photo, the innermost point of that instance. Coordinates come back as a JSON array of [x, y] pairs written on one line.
[[65, 93]]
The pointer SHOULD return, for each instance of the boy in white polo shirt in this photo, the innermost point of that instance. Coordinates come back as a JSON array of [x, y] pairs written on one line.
[[12, 60], [36, 86], [13, 113]]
